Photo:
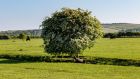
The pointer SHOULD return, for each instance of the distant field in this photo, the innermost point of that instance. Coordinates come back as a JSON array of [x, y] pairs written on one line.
[[25, 70], [108, 30], [34, 47], [128, 48], [121, 26]]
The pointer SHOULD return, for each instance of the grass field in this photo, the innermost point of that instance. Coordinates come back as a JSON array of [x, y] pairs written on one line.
[[34, 47], [124, 48], [127, 48], [25, 70]]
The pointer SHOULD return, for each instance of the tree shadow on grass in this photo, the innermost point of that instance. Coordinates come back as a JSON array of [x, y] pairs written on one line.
[[9, 61], [87, 60], [113, 61]]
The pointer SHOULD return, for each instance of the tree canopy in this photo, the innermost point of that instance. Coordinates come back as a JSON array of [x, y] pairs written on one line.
[[22, 36], [70, 31]]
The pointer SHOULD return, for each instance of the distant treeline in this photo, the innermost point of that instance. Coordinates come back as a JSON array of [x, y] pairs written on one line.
[[37, 34], [15, 34], [4, 37], [122, 35]]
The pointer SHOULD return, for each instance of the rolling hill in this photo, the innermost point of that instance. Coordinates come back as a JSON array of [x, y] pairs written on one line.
[[121, 26], [108, 28]]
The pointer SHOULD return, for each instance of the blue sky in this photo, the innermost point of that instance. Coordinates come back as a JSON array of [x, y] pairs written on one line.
[[28, 14]]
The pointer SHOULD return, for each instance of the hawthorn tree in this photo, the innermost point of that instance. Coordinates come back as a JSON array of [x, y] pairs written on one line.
[[70, 31]]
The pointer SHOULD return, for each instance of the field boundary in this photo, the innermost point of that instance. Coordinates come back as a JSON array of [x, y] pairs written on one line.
[[87, 59]]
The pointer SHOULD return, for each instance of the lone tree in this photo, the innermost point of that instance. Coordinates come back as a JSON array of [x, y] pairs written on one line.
[[70, 31], [22, 36]]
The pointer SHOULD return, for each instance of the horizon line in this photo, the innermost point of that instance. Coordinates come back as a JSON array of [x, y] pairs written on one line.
[[39, 28]]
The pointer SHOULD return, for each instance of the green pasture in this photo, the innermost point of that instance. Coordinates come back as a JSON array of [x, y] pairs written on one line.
[[126, 48], [33, 47], [26, 70]]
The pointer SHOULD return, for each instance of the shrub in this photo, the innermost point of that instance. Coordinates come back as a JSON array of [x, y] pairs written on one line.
[[22, 36]]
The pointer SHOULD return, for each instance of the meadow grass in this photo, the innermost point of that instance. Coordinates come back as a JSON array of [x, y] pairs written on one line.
[[20, 47], [124, 48], [24, 70]]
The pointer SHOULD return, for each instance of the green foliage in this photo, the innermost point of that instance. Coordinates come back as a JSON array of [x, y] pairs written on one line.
[[110, 35], [22, 36], [28, 38], [70, 31], [4, 37], [122, 34]]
